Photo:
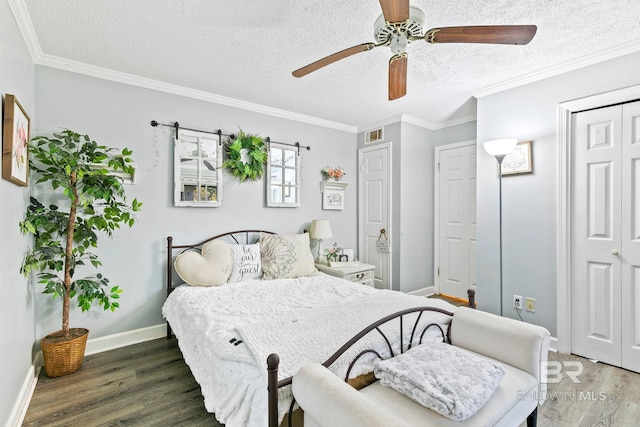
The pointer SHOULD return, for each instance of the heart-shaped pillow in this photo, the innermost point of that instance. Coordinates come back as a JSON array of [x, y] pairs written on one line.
[[210, 267]]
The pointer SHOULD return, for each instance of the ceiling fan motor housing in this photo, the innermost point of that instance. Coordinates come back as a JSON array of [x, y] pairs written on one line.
[[398, 33]]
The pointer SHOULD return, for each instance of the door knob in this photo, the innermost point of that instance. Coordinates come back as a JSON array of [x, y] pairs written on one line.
[[615, 252]]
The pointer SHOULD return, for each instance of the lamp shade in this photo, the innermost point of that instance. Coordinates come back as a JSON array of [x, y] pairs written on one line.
[[320, 229], [500, 147]]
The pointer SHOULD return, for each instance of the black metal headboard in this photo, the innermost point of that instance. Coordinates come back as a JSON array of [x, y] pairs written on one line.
[[239, 237]]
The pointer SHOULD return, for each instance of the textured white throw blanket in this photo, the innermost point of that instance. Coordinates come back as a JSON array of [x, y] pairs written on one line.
[[209, 323], [313, 336]]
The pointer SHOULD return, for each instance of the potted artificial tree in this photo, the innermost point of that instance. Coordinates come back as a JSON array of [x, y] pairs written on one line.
[[88, 199]]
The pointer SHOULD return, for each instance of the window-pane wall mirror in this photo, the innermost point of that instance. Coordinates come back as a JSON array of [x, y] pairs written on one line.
[[198, 171], [283, 176]]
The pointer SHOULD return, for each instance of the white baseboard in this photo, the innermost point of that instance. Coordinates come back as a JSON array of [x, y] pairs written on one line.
[[553, 344], [94, 346], [123, 339], [423, 292], [19, 410]]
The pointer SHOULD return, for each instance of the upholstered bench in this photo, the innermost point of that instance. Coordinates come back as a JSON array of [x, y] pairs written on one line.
[[520, 348]]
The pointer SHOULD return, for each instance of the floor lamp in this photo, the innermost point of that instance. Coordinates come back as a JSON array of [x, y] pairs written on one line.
[[499, 148]]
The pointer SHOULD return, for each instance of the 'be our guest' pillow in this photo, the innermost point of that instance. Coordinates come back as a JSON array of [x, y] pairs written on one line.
[[246, 262], [209, 267]]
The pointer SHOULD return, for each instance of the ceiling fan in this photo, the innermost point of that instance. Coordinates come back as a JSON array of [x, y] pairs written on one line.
[[401, 24]]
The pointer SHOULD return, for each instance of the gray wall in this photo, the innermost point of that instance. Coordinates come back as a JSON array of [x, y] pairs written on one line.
[[415, 168], [118, 115], [530, 112], [413, 198], [16, 304]]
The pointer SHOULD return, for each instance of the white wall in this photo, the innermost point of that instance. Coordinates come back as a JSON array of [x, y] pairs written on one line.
[[118, 115], [530, 112], [16, 304]]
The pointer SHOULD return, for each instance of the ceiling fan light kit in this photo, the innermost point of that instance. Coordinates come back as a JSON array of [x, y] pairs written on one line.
[[400, 24]]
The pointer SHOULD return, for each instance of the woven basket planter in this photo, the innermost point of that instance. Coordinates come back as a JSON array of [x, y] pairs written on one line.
[[63, 357]]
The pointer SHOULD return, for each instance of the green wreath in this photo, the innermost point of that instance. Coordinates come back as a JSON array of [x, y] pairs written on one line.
[[257, 157]]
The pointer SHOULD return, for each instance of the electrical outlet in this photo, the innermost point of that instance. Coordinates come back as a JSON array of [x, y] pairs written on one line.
[[517, 301], [530, 304]]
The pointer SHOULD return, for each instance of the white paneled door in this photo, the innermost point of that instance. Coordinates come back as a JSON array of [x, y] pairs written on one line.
[[375, 210], [605, 235], [456, 219]]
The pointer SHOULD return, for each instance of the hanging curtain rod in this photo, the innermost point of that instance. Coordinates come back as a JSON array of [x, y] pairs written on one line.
[[177, 126]]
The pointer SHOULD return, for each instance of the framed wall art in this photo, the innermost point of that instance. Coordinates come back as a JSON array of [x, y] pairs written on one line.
[[15, 142], [333, 195], [519, 160]]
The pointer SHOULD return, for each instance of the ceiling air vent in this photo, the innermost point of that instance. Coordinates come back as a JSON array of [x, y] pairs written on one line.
[[373, 136]]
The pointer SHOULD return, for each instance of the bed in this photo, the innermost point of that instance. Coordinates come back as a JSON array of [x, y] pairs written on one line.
[[225, 332]]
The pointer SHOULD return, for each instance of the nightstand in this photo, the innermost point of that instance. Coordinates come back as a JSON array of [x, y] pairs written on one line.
[[362, 273]]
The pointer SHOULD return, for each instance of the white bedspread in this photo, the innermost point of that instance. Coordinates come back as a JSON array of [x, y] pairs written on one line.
[[209, 323]]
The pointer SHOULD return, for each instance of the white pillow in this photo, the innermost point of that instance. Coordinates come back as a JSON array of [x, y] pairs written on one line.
[[246, 262], [286, 255], [447, 379], [209, 267]]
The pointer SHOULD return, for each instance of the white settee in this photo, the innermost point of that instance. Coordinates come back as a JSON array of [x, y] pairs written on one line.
[[520, 348]]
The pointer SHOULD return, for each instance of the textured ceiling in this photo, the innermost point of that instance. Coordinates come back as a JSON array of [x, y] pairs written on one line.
[[246, 49]]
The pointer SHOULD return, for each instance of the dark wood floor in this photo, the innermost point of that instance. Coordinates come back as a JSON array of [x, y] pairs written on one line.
[[148, 384], [145, 384]]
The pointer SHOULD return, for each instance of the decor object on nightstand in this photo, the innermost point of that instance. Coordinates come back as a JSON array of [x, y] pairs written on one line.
[[499, 148], [247, 156], [94, 201], [320, 230], [333, 253]]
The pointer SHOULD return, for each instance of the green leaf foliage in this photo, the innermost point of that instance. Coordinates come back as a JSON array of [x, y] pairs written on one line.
[[257, 152], [76, 167]]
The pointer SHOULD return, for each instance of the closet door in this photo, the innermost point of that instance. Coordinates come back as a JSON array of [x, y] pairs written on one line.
[[630, 254], [606, 235], [596, 206]]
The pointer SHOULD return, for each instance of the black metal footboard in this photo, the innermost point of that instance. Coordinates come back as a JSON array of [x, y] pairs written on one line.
[[415, 338]]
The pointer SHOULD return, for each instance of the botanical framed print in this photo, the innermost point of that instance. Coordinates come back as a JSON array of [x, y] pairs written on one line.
[[519, 160], [15, 142]]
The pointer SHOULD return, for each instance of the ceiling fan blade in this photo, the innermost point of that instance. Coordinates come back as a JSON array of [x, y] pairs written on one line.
[[300, 72], [395, 10], [498, 34], [397, 76]]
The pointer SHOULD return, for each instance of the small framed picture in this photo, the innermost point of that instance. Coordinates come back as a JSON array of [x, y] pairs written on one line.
[[349, 253], [519, 160], [343, 258], [15, 144]]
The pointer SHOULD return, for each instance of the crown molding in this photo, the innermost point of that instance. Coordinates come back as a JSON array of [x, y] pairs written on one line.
[[583, 61], [130, 79], [405, 118], [438, 125], [23, 19]]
